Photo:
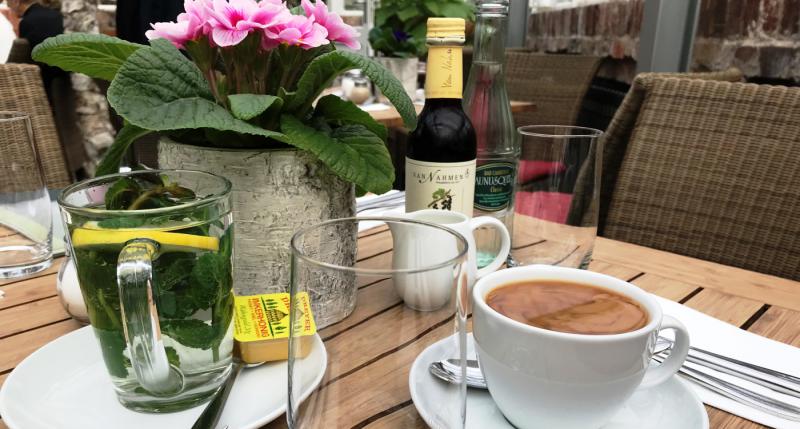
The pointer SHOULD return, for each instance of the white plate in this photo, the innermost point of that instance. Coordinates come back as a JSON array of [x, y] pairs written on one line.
[[64, 385], [671, 404]]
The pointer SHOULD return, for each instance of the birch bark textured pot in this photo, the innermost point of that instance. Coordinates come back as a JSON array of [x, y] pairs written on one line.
[[275, 193]]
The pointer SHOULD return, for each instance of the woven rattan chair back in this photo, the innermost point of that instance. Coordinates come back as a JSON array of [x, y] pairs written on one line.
[[556, 83], [710, 170], [618, 134], [21, 89]]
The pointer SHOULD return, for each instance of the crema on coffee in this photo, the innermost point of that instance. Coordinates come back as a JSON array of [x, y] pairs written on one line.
[[568, 307]]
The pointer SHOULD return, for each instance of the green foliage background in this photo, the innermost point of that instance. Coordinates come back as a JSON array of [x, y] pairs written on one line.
[[400, 25]]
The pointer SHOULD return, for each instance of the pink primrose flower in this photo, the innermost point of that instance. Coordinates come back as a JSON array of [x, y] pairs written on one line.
[[176, 32], [338, 31], [297, 30], [231, 21], [189, 26]]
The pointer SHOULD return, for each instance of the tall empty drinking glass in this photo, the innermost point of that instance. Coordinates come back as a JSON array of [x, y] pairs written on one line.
[[557, 196], [26, 230], [153, 254], [381, 337]]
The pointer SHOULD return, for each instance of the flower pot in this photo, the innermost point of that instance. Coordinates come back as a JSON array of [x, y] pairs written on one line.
[[275, 193], [405, 70]]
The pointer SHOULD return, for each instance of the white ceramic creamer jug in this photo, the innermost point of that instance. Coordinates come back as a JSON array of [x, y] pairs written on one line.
[[418, 247]]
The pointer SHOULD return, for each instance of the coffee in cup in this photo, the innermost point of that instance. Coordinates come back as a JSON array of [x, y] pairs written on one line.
[[553, 354], [568, 307]]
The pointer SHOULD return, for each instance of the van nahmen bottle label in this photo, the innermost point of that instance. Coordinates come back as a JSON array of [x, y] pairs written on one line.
[[494, 185], [440, 186]]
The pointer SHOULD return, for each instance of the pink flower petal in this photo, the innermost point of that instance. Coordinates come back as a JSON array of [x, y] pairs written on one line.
[[224, 37]]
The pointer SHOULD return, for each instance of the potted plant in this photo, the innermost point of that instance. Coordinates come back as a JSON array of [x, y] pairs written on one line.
[[399, 33], [232, 87]]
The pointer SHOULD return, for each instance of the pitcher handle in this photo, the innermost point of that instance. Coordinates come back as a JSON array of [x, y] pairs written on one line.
[[505, 242], [140, 319]]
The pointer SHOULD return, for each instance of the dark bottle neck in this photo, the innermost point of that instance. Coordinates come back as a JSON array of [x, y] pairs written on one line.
[[432, 103]]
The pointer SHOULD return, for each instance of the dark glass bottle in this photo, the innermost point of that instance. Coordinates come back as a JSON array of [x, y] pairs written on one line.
[[440, 159]]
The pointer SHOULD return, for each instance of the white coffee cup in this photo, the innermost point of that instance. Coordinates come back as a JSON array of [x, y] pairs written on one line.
[[547, 379], [415, 246]]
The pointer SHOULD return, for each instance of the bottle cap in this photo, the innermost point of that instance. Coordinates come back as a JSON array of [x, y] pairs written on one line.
[[492, 8], [446, 28]]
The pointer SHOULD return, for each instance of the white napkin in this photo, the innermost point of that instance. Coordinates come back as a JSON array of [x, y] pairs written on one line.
[[378, 205], [722, 338]]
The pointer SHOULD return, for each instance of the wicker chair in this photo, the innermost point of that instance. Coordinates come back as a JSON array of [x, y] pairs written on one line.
[[615, 140], [21, 89], [556, 83], [707, 169]]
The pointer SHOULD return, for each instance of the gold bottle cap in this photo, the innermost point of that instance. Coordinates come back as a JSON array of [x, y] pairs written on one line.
[[446, 28]]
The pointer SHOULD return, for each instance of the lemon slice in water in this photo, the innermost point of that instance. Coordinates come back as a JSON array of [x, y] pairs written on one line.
[[168, 241]]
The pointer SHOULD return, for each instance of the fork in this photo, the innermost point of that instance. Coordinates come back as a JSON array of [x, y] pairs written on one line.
[[771, 379]]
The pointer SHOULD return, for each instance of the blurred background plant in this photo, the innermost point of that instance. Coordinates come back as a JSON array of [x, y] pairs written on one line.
[[400, 24]]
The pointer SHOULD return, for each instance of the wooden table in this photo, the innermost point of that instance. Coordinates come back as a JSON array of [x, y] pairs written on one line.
[[391, 117], [31, 316]]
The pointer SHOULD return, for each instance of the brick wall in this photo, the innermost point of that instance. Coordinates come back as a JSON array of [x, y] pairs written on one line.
[[761, 37]]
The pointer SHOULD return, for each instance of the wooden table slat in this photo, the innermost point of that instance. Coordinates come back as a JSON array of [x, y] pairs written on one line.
[[780, 325], [735, 281], [728, 308], [31, 290], [31, 315], [663, 287], [18, 347]]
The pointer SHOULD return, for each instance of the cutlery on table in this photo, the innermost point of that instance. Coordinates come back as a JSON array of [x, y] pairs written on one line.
[[771, 379], [449, 369]]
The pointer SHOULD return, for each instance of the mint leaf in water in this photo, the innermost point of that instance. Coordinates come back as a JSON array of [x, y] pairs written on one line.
[[190, 332], [121, 223], [112, 344], [172, 269], [172, 357], [210, 274], [122, 194]]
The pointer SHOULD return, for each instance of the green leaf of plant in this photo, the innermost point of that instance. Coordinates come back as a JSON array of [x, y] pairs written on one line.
[[248, 106], [172, 269], [122, 193], [333, 108], [326, 67], [172, 357], [190, 332], [408, 12], [159, 89], [113, 157], [96, 55], [112, 345], [121, 223], [353, 152], [458, 9], [210, 273]]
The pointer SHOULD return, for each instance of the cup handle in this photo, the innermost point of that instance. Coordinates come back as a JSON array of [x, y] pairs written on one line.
[[140, 319], [677, 355], [505, 242]]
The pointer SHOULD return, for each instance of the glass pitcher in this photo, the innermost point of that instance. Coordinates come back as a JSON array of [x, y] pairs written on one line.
[[153, 255]]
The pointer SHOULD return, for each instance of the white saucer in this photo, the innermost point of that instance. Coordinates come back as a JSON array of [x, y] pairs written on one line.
[[671, 404], [64, 385]]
